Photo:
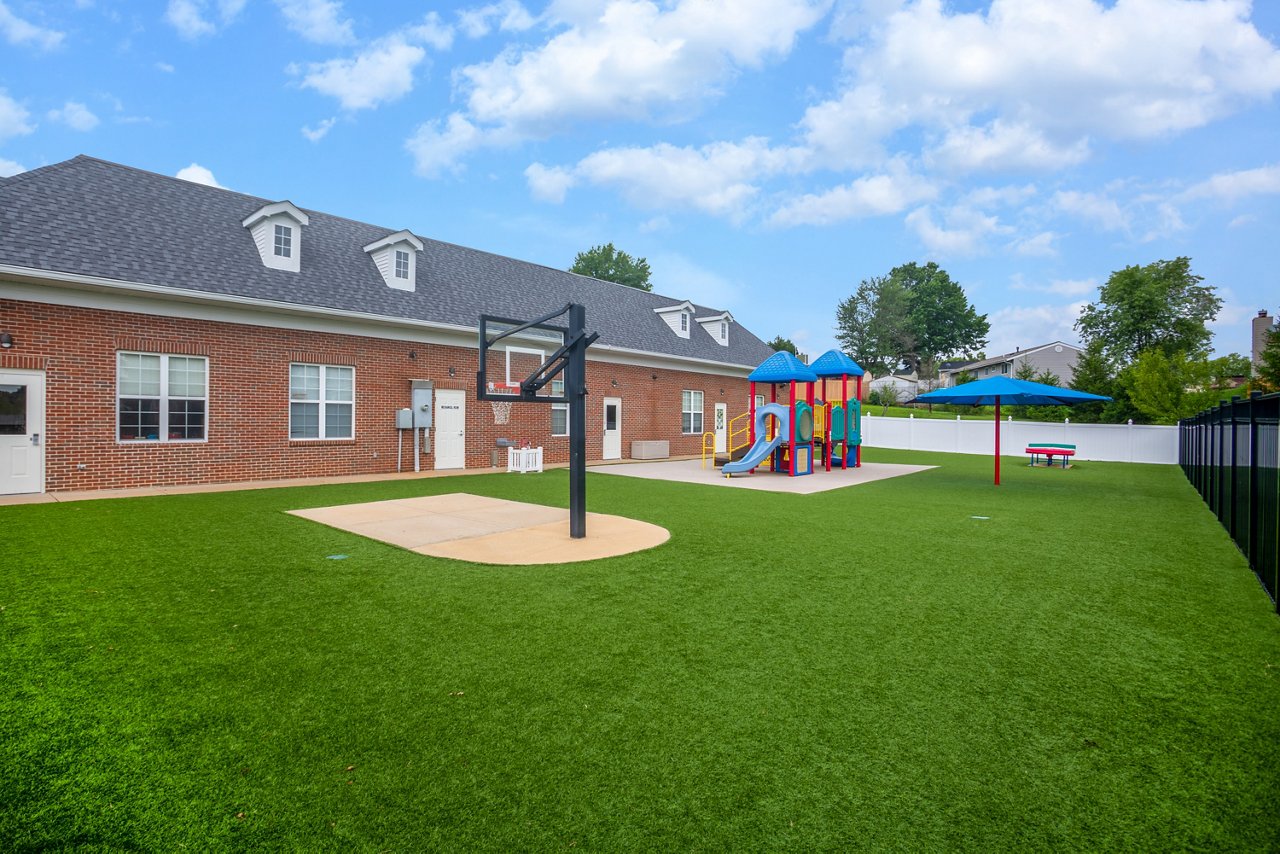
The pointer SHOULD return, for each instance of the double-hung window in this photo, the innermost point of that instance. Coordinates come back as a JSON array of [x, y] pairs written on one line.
[[321, 402], [691, 412], [559, 411], [161, 398]]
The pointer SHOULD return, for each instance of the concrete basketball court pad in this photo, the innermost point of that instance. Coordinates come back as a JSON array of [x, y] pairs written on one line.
[[480, 529]]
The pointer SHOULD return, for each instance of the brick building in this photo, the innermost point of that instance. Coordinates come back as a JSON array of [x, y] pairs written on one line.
[[155, 331]]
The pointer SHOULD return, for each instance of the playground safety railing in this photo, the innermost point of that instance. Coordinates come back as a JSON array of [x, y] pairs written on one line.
[[708, 447], [739, 432]]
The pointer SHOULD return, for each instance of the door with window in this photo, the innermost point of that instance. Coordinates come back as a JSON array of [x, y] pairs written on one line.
[[21, 432], [722, 427], [612, 449], [451, 429]]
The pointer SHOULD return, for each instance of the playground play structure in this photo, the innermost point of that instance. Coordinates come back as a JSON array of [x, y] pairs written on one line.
[[809, 426]]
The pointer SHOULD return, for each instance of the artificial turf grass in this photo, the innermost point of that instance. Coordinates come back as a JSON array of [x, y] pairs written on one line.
[[1090, 667]]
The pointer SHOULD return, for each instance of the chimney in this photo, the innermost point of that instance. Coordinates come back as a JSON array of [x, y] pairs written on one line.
[[1261, 328]]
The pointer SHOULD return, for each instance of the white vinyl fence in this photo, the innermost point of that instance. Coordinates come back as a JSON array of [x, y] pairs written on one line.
[[1123, 443]]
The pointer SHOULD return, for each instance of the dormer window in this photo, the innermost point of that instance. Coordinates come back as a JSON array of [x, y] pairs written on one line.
[[395, 256], [717, 326], [277, 233], [284, 241], [677, 317]]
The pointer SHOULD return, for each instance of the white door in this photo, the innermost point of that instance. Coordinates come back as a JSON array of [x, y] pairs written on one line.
[[722, 427], [21, 432], [451, 429], [612, 449]]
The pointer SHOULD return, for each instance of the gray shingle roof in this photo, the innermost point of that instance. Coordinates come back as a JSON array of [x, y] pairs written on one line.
[[90, 217]]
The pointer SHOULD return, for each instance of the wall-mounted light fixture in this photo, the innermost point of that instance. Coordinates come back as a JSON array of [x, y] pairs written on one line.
[[653, 376], [453, 372], [613, 383], [413, 354], [6, 340]]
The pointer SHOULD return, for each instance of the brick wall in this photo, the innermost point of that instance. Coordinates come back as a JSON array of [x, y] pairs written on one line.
[[248, 396]]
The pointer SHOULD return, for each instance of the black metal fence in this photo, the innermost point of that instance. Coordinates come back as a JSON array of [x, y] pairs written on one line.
[[1231, 455]]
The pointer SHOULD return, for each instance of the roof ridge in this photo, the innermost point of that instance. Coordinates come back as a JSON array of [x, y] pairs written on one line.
[[27, 174]]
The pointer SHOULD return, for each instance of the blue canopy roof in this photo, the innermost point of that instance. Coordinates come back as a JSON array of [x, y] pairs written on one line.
[[1008, 390], [833, 363], [782, 367]]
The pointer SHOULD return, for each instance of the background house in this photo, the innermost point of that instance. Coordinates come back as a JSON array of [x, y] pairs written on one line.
[[157, 331], [1058, 358]]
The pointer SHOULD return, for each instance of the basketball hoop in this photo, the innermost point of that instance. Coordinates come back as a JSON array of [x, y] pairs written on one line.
[[501, 411]]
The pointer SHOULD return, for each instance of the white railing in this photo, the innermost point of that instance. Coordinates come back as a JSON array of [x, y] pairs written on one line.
[[1123, 443]]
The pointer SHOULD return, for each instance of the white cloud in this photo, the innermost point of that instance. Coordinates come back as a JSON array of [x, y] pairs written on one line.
[[1060, 287], [191, 17], [1039, 246], [165, 67], [75, 115], [438, 149], [676, 275], [382, 72], [509, 15], [629, 60], [10, 167], [1043, 77], [18, 31], [1243, 219], [870, 195], [317, 133], [963, 231], [318, 21], [1003, 146], [717, 179], [432, 32], [991, 197], [13, 118], [1232, 186], [1092, 207], [655, 224], [549, 183], [1027, 326], [198, 174]]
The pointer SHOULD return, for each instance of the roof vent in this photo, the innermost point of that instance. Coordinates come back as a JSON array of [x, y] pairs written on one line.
[[277, 232], [396, 256]]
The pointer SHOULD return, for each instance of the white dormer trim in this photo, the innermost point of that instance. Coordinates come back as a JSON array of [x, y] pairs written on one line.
[[277, 232], [678, 317], [396, 257], [717, 326]]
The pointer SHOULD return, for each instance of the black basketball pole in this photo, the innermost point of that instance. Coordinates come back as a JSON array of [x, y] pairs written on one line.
[[575, 382]]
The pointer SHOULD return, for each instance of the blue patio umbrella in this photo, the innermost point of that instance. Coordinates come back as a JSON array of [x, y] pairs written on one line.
[[998, 390]]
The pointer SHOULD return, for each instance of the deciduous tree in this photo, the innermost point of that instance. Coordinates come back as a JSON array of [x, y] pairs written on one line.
[[606, 262], [1160, 305]]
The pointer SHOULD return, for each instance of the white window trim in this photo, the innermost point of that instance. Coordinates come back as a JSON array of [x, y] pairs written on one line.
[[323, 401], [163, 429], [559, 407], [278, 231], [700, 412], [402, 255]]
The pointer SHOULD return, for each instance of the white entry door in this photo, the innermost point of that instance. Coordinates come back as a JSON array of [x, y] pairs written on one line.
[[451, 429], [612, 449], [722, 427], [21, 432]]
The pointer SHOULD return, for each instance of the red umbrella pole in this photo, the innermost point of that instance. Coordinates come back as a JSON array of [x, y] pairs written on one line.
[[997, 441]]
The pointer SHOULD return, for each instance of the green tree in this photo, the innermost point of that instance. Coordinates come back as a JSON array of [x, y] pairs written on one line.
[[1160, 305], [1268, 372], [915, 316], [1167, 388], [605, 262], [1095, 374], [780, 344]]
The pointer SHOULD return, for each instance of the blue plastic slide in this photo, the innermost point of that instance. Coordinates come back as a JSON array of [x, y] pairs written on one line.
[[763, 447]]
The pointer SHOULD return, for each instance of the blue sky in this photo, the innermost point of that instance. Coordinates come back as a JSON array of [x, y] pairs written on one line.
[[764, 155]]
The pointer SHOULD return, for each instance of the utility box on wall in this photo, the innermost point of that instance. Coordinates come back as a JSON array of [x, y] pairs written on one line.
[[421, 403]]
